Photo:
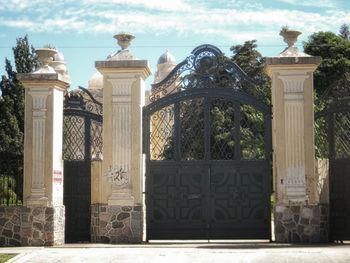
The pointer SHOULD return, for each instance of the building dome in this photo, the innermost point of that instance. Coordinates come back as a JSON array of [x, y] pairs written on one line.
[[58, 57], [167, 58], [96, 81]]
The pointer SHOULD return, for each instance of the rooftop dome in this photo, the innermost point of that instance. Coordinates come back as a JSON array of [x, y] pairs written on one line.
[[166, 58], [96, 81], [59, 57]]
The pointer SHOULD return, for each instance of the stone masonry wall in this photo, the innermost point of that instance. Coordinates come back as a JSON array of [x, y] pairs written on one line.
[[36, 226], [116, 224], [301, 223]]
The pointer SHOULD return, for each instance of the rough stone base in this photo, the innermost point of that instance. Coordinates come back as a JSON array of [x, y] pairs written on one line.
[[301, 223], [116, 224], [35, 226]]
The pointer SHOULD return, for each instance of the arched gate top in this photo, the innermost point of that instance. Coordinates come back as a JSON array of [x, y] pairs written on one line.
[[206, 67]]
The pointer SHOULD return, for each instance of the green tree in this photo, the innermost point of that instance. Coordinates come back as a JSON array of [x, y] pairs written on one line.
[[12, 98], [250, 60], [344, 31], [335, 53], [331, 74], [12, 118]]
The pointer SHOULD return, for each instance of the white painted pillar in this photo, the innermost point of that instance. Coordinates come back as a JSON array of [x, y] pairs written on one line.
[[123, 99], [43, 166]]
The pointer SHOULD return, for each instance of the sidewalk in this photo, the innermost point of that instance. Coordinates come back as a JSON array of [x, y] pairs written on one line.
[[187, 253]]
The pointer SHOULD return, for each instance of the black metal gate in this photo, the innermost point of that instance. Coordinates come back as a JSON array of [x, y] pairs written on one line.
[[332, 136], [82, 144], [207, 140]]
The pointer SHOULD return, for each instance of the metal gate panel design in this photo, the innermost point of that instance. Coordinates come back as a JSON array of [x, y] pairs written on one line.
[[82, 143], [332, 137], [240, 194], [208, 146]]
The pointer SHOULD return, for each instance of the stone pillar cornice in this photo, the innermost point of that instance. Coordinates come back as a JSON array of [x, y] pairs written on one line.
[[291, 64], [44, 80], [112, 67]]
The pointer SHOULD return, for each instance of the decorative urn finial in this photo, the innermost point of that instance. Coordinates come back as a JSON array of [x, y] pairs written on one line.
[[124, 40], [45, 56], [291, 37]]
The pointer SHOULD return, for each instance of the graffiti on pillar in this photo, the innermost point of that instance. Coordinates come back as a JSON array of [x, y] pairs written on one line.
[[118, 176]]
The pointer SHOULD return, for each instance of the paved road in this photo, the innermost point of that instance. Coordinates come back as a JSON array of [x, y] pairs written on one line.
[[187, 253]]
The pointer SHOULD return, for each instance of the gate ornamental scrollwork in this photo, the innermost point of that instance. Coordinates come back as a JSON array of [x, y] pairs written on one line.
[[207, 67]]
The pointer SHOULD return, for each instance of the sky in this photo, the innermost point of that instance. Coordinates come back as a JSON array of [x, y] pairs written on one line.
[[83, 30]]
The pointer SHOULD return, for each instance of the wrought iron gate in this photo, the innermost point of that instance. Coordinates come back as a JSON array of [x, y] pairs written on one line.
[[82, 144], [207, 140], [332, 137]]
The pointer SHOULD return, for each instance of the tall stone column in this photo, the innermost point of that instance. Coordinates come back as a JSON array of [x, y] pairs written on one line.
[[120, 198], [298, 216], [43, 167]]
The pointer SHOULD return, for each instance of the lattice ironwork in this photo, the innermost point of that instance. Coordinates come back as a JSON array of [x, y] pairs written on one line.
[[252, 133], [207, 67], [192, 129], [82, 130], [332, 139], [332, 121], [82, 99], [96, 139], [336, 95], [162, 131], [321, 138], [342, 135], [11, 180], [222, 122]]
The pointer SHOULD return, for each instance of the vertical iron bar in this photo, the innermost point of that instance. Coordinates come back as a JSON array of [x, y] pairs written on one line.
[[331, 136], [268, 136], [237, 128], [207, 128], [87, 123], [177, 134], [331, 146]]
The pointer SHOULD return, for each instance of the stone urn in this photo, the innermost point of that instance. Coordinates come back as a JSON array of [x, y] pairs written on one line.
[[45, 56], [290, 36], [124, 40]]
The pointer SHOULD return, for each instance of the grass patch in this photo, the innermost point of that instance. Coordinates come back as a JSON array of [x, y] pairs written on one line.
[[6, 257]]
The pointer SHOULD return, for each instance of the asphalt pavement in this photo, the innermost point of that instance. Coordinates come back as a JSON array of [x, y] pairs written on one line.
[[187, 253]]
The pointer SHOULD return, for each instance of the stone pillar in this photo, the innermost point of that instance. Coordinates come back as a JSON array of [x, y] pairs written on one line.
[[43, 219], [118, 212], [298, 216]]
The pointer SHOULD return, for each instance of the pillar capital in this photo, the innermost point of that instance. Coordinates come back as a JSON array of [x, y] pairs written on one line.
[[43, 80], [123, 68]]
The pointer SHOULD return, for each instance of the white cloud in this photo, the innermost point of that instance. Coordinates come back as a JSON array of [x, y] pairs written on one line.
[[183, 17], [318, 3], [163, 5]]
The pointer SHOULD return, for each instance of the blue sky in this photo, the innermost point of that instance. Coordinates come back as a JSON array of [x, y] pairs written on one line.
[[83, 30]]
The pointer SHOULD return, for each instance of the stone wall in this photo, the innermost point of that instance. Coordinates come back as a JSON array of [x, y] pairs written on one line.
[[116, 224], [301, 223], [36, 226]]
